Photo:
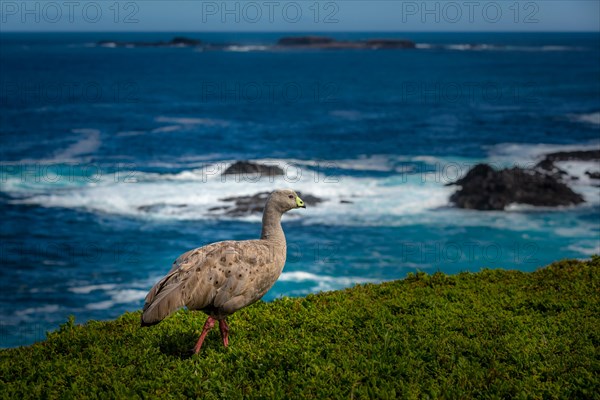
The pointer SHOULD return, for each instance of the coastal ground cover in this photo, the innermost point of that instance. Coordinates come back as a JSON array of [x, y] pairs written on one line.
[[492, 334]]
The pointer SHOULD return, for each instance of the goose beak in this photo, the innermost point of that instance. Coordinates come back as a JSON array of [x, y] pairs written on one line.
[[299, 202]]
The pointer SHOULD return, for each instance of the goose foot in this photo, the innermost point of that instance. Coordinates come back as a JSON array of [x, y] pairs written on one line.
[[210, 322], [224, 332]]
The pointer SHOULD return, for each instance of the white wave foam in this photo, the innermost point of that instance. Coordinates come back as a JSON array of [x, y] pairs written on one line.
[[245, 49], [130, 133], [101, 305], [167, 129], [87, 144], [302, 276], [528, 153], [466, 47], [91, 288], [424, 46], [520, 207], [123, 296], [191, 193], [590, 118], [496, 47], [587, 248], [49, 308], [399, 198], [322, 282], [583, 184], [579, 169], [177, 124], [381, 163], [192, 121], [561, 48]]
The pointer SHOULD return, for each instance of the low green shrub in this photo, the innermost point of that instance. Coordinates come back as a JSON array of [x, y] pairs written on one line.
[[492, 334]]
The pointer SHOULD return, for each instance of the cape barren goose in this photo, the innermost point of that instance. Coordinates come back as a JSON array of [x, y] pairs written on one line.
[[223, 277]]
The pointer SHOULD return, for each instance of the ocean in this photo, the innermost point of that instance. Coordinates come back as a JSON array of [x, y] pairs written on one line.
[[111, 159]]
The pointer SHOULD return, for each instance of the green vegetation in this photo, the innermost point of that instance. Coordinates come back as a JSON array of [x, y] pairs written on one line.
[[492, 334]]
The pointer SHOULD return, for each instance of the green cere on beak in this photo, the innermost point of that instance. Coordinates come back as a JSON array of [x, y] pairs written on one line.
[[299, 202]]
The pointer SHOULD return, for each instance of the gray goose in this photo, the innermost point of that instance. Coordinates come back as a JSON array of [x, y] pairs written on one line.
[[223, 277]]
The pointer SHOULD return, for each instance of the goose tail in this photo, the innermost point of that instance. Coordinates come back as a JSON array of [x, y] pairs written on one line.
[[163, 299]]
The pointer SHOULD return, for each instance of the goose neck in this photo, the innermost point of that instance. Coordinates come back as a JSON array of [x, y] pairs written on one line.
[[271, 225]]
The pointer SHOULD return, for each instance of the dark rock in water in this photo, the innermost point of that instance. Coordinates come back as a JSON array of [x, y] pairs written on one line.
[[183, 41], [581, 155], [175, 42], [484, 188], [248, 168], [390, 44], [246, 205], [593, 175], [309, 199], [321, 42], [305, 41], [346, 202], [548, 165]]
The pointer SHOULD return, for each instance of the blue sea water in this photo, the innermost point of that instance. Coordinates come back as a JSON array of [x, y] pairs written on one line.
[[111, 159]]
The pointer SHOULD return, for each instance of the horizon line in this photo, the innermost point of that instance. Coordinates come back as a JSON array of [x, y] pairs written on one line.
[[292, 32]]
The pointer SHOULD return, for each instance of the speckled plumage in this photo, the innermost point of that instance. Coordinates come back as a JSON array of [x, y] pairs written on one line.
[[223, 277], [219, 278]]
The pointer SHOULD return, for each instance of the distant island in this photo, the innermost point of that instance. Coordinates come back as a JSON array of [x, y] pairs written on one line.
[[322, 42], [285, 43], [175, 42]]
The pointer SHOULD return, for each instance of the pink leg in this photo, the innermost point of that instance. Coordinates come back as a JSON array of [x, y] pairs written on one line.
[[210, 322], [224, 332]]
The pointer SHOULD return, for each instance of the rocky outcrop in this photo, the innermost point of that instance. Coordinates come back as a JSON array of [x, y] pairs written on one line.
[[484, 188], [389, 44], [246, 205], [593, 174], [582, 155], [326, 43], [305, 41], [250, 168], [183, 41], [547, 164], [548, 167]]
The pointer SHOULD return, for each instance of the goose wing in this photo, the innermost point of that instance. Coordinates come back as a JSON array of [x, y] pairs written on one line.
[[222, 278]]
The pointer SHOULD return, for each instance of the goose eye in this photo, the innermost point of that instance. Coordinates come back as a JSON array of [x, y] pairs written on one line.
[[291, 196]]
